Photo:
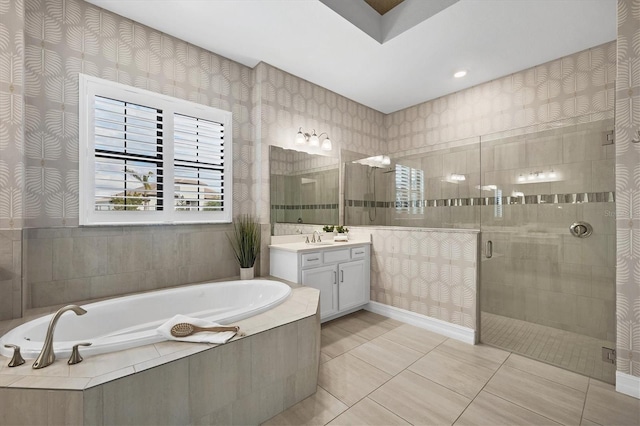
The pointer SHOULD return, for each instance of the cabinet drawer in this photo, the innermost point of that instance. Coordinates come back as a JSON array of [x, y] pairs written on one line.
[[336, 255], [311, 259], [358, 252]]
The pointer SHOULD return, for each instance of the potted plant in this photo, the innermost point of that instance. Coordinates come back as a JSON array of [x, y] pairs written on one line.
[[342, 229], [328, 228], [342, 233], [245, 241]]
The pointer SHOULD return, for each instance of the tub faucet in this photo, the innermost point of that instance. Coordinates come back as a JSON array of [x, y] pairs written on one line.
[[47, 356]]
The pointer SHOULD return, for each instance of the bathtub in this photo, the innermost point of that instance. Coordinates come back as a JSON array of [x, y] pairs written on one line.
[[131, 321]]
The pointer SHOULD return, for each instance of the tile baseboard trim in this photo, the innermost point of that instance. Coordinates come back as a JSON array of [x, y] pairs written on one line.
[[628, 384], [454, 331]]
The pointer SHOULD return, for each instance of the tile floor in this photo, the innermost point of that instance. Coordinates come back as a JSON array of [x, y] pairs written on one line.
[[575, 352], [378, 371]]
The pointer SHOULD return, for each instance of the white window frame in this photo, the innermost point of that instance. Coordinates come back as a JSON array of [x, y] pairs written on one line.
[[93, 86]]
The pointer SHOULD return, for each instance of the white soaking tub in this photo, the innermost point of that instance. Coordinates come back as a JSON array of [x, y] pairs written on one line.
[[131, 321]]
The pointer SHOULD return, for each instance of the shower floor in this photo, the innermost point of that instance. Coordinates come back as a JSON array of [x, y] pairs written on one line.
[[575, 352]]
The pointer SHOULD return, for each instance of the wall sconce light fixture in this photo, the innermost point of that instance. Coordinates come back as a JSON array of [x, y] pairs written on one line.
[[538, 175], [313, 139]]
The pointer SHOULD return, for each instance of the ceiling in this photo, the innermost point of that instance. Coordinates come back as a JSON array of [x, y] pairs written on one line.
[[307, 38], [383, 6]]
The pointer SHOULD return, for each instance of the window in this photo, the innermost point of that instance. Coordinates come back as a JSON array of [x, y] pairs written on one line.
[[150, 158], [409, 190]]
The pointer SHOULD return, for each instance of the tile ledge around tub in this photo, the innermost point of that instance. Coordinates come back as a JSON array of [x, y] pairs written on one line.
[[285, 313]]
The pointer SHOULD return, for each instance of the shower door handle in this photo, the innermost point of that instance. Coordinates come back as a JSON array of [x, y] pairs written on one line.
[[488, 251]]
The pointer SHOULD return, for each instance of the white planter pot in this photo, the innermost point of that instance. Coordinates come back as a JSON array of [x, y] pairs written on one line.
[[246, 273]]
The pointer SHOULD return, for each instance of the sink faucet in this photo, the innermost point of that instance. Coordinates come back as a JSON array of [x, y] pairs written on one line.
[[313, 239], [47, 356]]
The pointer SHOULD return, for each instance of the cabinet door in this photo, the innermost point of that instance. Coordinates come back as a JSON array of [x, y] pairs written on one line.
[[324, 279], [352, 289]]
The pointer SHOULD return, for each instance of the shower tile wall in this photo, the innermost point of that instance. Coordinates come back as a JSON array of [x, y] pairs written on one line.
[[359, 195], [539, 272]]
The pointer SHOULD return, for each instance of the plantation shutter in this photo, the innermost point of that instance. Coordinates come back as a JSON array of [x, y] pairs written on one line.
[[199, 156], [128, 156], [403, 182], [409, 189]]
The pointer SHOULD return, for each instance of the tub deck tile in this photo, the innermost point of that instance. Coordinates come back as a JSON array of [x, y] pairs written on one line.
[[113, 375], [44, 382], [99, 369]]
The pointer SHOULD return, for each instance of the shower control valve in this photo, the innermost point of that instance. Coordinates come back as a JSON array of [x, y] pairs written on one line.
[[581, 229]]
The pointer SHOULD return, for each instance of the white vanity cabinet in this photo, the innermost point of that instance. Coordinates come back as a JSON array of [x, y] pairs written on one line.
[[340, 272]]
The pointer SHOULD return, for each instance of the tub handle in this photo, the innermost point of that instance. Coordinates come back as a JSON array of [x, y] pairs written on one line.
[[16, 359], [75, 353]]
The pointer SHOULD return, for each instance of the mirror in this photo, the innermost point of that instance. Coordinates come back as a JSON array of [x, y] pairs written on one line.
[[437, 187], [304, 189]]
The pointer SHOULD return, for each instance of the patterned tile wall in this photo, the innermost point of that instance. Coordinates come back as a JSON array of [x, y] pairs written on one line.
[[61, 39], [11, 113], [628, 188], [576, 85], [11, 156], [67, 37], [288, 102], [430, 272], [282, 104]]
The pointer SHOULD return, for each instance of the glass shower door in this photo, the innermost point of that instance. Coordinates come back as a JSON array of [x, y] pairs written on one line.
[[547, 274]]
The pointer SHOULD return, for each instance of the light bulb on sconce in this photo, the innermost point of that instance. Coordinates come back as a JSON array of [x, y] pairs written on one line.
[[314, 139], [300, 138], [326, 144]]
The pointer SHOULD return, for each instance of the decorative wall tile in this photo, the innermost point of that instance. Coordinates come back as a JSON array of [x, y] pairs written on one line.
[[64, 38], [11, 114], [576, 85], [288, 102], [430, 272], [627, 188]]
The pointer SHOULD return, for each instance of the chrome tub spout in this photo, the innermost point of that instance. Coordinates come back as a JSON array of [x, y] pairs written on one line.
[[47, 356]]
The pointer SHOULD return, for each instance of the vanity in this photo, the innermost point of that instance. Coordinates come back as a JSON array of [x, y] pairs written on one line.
[[340, 270]]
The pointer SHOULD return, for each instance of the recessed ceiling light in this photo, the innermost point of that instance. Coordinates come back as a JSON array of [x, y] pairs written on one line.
[[460, 74]]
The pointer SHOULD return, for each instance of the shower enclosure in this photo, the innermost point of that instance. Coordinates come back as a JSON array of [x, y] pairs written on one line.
[[547, 276], [544, 201]]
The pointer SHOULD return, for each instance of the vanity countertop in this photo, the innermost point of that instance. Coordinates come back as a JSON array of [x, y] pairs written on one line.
[[304, 247]]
